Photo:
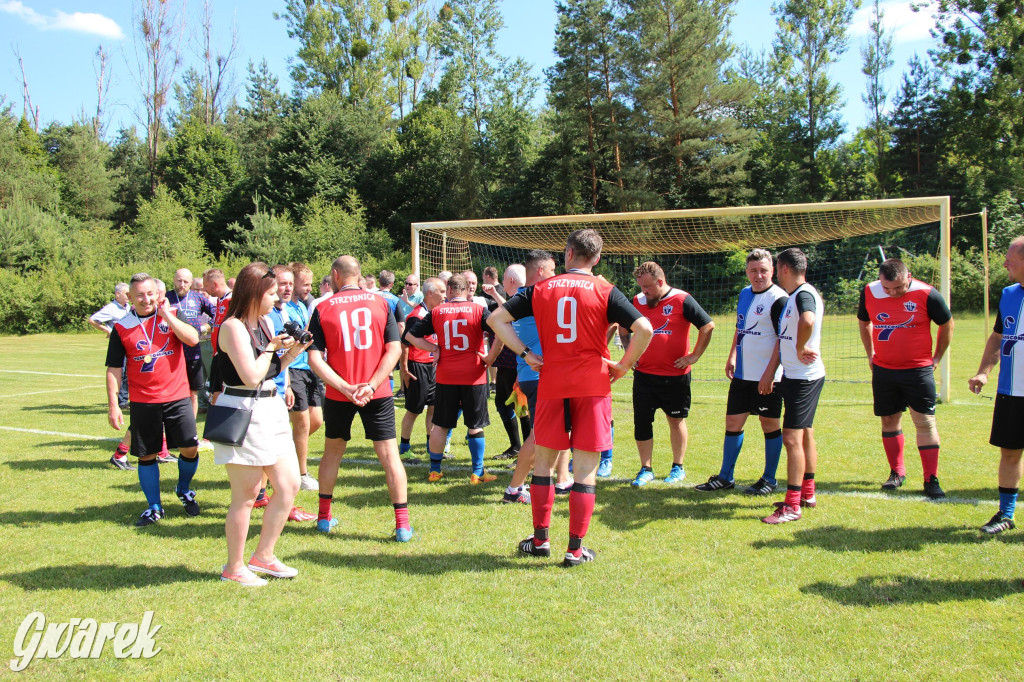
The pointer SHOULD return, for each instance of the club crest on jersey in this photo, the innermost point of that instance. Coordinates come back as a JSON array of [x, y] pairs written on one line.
[[910, 306], [163, 328], [666, 310], [759, 310]]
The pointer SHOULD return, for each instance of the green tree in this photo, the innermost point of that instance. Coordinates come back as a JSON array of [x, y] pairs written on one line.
[[877, 58], [129, 169], [268, 238], [163, 231], [24, 170], [811, 36], [918, 123], [466, 35], [80, 159]]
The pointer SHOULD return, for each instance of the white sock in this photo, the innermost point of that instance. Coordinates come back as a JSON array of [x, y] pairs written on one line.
[[512, 491]]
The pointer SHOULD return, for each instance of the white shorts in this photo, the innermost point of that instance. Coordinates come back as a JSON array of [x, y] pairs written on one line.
[[269, 437]]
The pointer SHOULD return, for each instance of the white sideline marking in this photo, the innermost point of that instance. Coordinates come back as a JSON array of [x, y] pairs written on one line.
[[52, 374], [57, 433], [53, 390], [461, 468]]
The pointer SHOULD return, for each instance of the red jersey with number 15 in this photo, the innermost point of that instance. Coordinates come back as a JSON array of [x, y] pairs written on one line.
[[571, 311], [351, 329], [416, 354], [153, 355], [459, 329]]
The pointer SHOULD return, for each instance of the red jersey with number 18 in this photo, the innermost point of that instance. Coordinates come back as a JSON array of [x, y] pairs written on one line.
[[415, 354], [571, 311], [349, 328], [459, 328]]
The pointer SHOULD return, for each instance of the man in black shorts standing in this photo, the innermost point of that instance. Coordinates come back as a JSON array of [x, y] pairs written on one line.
[[418, 367], [359, 335], [895, 316], [149, 341]]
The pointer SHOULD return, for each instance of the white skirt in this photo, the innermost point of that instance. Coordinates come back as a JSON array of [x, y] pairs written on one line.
[[269, 437]]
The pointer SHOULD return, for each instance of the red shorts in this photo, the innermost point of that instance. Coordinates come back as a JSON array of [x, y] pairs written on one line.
[[581, 423]]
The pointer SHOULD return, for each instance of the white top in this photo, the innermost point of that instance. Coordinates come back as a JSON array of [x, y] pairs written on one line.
[[792, 368], [756, 334]]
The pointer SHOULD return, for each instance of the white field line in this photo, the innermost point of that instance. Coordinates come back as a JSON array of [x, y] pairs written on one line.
[[52, 374], [53, 390], [460, 468]]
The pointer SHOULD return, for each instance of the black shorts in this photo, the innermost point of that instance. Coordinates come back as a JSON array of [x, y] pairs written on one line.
[[744, 398], [895, 389], [800, 397], [651, 393], [1008, 422], [196, 373], [150, 421], [529, 389], [308, 390], [420, 393], [378, 417], [472, 400]]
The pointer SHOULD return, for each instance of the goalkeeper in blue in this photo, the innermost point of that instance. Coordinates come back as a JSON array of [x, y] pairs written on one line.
[[757, 317]]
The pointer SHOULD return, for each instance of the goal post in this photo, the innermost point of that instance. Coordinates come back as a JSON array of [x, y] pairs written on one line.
[[702, 246]]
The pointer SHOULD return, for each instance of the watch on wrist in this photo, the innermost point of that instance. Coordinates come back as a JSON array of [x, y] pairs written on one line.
[[526, 351]]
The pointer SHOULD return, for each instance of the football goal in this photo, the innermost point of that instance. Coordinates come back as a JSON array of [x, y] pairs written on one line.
[[703, 252]]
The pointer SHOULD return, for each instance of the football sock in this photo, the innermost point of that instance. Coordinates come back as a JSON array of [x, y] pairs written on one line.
[[526, 424], [476, 452], [772, 454], [542, 499], [892, 442], [793, 496], [1007, 501], [512, 429], [401, 515], [149, 481], [512, 491], [730, 453], [807, 490], [186, 470], [324, 512], [929, 460], [581, 508], [606, 455], [435, 460], [404, 446], [647, 469], [122, 450]]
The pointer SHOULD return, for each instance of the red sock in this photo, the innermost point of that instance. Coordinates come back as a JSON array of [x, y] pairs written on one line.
[[892, 441], [807, 489], [581, 508], [793, 496], [122, 450], [325, 507], [929, 460], [402, 515], [542, 499]]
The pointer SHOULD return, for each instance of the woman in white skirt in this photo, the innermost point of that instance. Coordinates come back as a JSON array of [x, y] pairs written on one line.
[[247, 361]]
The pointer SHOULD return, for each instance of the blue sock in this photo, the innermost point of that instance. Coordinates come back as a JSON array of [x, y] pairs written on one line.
[[476, 452], [186, 470], [149, 481], [391, 382], [404, 448], [606, 455], [435, 459], [448, 439], [772, 453], [1007, 501], [731, 447]]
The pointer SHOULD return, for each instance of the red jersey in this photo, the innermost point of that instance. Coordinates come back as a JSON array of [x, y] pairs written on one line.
[[352, 328], [154, 358], [416, 354], [459, 326], [218, 319], [671, 338], [901, 327], [571, 311]]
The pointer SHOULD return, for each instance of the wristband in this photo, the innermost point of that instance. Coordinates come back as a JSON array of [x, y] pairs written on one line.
[[526, 351]]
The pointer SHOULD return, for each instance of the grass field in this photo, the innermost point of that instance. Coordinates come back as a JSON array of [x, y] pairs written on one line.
[[866, 586]]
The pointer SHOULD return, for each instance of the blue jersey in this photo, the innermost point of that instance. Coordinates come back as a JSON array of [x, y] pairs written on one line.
[[526, 329], [757, 317], [1009, 324], [290, 311], [393, 302], [193, 305]]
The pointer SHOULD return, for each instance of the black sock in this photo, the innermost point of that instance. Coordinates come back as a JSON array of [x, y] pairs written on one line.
[[405, 441], [512, 430]]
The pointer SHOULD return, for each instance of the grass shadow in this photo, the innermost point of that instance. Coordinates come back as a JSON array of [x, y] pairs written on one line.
[[103, 577], [913, 490], [901, 589], [60, 408], [624, 507], [55, 464], [422, 564], [902, 539], [118, 513]]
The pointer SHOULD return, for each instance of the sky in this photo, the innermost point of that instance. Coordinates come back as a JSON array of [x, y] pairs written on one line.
[[58, 40]]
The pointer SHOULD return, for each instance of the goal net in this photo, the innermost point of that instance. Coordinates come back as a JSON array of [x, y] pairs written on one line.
[[703, 252]]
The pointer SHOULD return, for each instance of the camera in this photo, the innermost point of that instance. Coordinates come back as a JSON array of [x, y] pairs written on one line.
[[301, 336]]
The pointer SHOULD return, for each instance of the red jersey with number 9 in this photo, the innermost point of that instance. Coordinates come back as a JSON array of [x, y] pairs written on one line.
[[416, 354], [460, 337], [352, 323], [571, 311]]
